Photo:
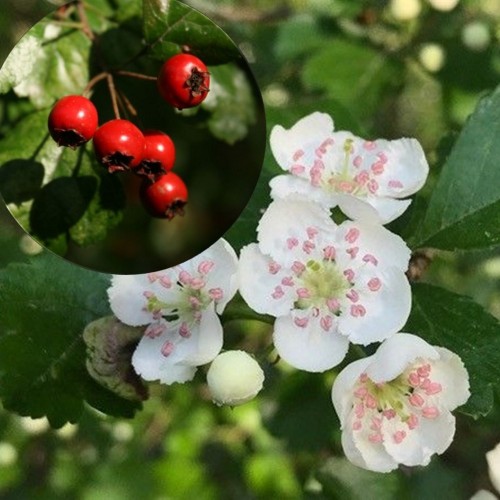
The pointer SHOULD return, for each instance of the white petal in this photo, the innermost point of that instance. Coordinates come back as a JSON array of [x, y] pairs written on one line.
[[283, 228], [396, 353], [406, 164], [437, 434], [127, 300], [374, 455], [305, 135], [388, 209], [483, 495], [451, 373], [388, 248], [373, 209], [290, 186], [258, 285], [386, 310], [342, 389], [205, 341], [309, 348], [151, 364]]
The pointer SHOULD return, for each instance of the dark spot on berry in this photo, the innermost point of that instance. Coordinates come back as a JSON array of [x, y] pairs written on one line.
[[117, 162], [196, 82], [150, 169], [70, 138], [175, 208]]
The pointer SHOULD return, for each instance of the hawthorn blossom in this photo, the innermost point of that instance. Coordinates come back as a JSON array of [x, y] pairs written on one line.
[[493, 459], [325, 283], [180, 307], [366, 179], [395, 406]]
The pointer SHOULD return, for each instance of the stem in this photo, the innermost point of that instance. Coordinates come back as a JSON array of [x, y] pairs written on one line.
[[95, 79], [112, 91], [139, 76], [85, 22], [128, 105]]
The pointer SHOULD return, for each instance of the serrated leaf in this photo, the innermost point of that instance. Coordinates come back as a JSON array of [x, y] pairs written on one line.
[[355, 75], [169, 25], [61, 69], [46, 305], [342, 480], [464, 207], [231, 104], [458, 323]]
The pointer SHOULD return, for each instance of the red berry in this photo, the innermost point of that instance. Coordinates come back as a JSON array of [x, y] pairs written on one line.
[[73, 121], [159, 154], [166, 197], [119, 145], [183, 81]]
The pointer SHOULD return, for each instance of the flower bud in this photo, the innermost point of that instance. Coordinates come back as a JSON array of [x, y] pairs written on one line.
[[432, 57], [476, 36], [405, 10], [444, 5], [234, 378]]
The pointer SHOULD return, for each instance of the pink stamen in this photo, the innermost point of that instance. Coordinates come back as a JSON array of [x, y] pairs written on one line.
[[291, 243], [278, 293], [378, 168], [412, 421], [389, 414], [197, 283], [297, 169], [154, 330], [185, 278], [356, 426], [308, 247], [372, 186], [346, 186], [167, 349], [195, 302], [370, 145], [303, 293], [370, 402], [358, 161], [352, 235], [206, 266], [395, 184], [359, 410], [301, 322], [374, 284], [329, 253], [362, 178], [361, 392], [349, 274], [434, 388], [184, 330], [165, 282], [382, 157], [369, 258], [274, 267], [298, 268], [424, 370], [312, 232], [353, 252], [375, 438], [399, 436], [287, 281], [358, 311], [148, 294], [363, 378], [425, 384], [413, 379], [298, 154], [216, 294], [353, 296], [333, 305], [152, 277], [430, 412], [326, 323], [416, 400], [376, 424]]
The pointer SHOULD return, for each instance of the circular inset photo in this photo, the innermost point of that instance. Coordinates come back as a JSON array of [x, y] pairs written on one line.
[[131, 139]]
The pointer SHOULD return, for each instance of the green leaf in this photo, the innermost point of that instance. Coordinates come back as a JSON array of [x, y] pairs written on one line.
[[458, 323], [342, 480], [355, 75], [45, 307], [231, 104], [169, 25], [61, 69], [465, 205]]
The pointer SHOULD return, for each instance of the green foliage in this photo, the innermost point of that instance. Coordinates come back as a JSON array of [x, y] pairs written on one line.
[[169, 25], [458, 323], [45, 306], [465, 204]]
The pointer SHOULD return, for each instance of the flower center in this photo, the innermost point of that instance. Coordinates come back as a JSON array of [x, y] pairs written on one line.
[[321, 281], [408, 398]]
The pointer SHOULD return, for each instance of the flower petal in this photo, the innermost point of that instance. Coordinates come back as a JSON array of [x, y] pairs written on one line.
[[304, 136], [388, 249], [297, 188], [308, 348], [283, 230], [451, 373], [396, 353], [386, 310], [261, 286]]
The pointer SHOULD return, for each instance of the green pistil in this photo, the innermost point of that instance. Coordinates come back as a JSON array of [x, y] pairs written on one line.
[[390, 395], [324, 281]]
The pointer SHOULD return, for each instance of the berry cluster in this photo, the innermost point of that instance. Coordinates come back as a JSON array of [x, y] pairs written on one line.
[[119, 145]]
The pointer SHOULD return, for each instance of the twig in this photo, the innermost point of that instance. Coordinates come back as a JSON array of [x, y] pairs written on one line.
[[112, 91], [85, 22], [94, 80], [139, 76]]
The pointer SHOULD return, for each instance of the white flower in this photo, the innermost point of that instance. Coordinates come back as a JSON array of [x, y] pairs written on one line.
[[20, 62], [234, 378], [395, 406], [180, 305], [325, 284], [366, 179], [493, 459], [405, 10]]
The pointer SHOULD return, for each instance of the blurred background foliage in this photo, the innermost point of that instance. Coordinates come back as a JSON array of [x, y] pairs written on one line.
[[384, 69]]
